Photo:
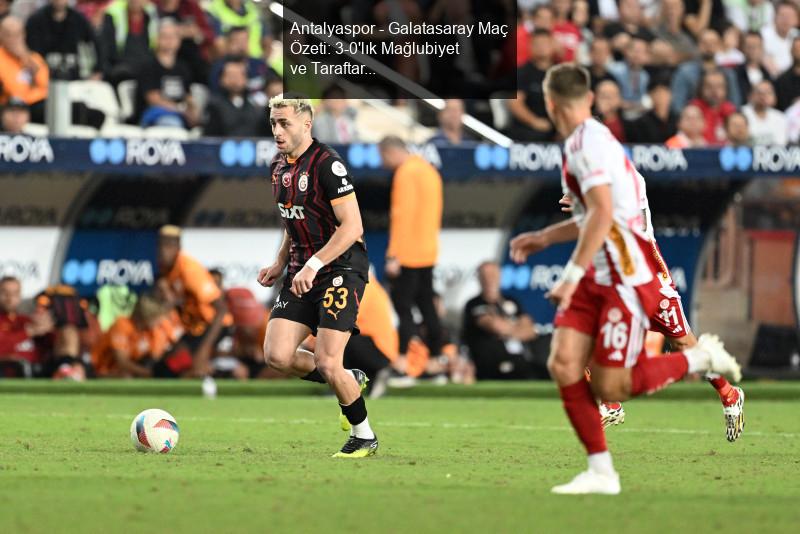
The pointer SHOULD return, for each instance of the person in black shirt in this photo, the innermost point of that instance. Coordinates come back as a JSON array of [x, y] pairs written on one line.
[[659, 123], [530, 122], [231, 114], [327, 266], [703, 14], [163, 91], [496, 331], [752, 71], [787, 86], [631, 24], [197, 36], [66, 40], [127, 30], [599, 58]]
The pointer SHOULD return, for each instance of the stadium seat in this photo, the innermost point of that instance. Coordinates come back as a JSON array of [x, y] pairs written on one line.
[[36, 130], [372, 123], [200, 95], [501, 117], [126, 91], [122, 130], [85, 132], [166, 132], [97, 95]]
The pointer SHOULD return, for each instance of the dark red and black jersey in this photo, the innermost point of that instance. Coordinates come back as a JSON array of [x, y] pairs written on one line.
[[306, 189]]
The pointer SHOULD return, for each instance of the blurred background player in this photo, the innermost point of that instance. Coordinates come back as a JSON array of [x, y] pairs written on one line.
[[132, 346], [611, 285], [190, 288], [415, 221], [497, 331], [327, 264], [18, 351]]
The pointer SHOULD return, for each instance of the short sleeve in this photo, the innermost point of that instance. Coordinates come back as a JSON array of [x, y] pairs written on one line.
[[593, 163], [203, 287], [150, 78], [335, 179], [198, 282]]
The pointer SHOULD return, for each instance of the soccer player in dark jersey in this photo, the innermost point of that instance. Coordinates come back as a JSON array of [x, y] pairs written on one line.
[[327, 266]]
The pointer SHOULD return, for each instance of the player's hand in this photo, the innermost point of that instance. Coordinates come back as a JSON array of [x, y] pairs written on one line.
[[561, 294], [526, 244], [302, 281], [392, 268], [268, 275], [41, 324], [566, 203]]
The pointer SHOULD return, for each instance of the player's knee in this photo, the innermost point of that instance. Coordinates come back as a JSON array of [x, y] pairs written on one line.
[[327, 365], [563, 367], [278, 357]]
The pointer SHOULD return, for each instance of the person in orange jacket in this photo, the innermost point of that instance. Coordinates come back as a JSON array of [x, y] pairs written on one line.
[[414, 226]]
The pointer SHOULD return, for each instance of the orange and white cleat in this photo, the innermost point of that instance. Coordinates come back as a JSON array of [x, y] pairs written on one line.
[[611, 413]]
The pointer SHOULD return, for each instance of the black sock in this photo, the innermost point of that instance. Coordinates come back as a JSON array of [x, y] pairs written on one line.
[[355, 412], [314, 376]]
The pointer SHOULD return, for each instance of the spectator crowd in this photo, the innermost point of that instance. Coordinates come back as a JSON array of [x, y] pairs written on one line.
[[664, 71], [688, 73], [165, 47], [189, 325]]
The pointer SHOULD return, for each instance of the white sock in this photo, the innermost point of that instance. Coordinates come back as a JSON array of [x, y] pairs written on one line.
[[362, 430], [600, 462], [699, 360]]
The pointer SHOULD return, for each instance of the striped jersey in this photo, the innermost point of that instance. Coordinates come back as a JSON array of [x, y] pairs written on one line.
[[630, 255], [306, 189]]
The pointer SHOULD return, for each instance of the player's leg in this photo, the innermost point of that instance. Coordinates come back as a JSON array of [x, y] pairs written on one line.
[[281, 350], [403, 290], [732, 397], [611, 413], [648, 375], [569, 353], [424, 300], [329, 357]]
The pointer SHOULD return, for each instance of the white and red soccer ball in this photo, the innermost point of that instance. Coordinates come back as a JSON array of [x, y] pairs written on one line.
[[154, 430]]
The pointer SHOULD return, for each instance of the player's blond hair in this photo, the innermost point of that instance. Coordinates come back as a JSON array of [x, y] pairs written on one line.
[[567, 81], [294, 101]]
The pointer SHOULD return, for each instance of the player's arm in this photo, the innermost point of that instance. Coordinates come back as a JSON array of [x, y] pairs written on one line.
[[350, 229], [597, 224], [524, 329], [523, 113], [493, 323], [401, 218], [337, 185], [268, 275], [529, 243]]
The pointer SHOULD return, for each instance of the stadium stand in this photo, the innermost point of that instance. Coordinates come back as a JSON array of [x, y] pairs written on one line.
[[684, 73]]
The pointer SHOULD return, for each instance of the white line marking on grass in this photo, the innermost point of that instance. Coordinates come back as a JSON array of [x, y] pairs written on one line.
[[421, 424]]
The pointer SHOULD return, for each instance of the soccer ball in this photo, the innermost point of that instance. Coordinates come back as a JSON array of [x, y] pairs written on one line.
[[154, 431]]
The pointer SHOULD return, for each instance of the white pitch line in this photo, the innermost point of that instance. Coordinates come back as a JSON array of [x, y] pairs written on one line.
[[446, 426]]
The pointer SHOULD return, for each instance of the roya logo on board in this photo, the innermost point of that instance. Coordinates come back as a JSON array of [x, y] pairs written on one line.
[[24, 149]]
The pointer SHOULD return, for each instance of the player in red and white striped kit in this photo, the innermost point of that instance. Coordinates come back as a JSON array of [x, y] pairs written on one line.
[[669, 320], [610, 287]]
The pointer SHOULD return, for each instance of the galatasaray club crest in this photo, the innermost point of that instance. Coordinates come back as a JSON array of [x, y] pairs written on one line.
[[302, 183]]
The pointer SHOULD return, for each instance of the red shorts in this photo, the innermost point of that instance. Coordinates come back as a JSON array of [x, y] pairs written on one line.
[[669, 319], [613, 317]]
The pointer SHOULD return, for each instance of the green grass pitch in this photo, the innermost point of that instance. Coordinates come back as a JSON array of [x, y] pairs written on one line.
[[463, 462]]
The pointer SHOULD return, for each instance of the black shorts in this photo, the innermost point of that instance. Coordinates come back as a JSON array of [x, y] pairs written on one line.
[[332, 302]]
